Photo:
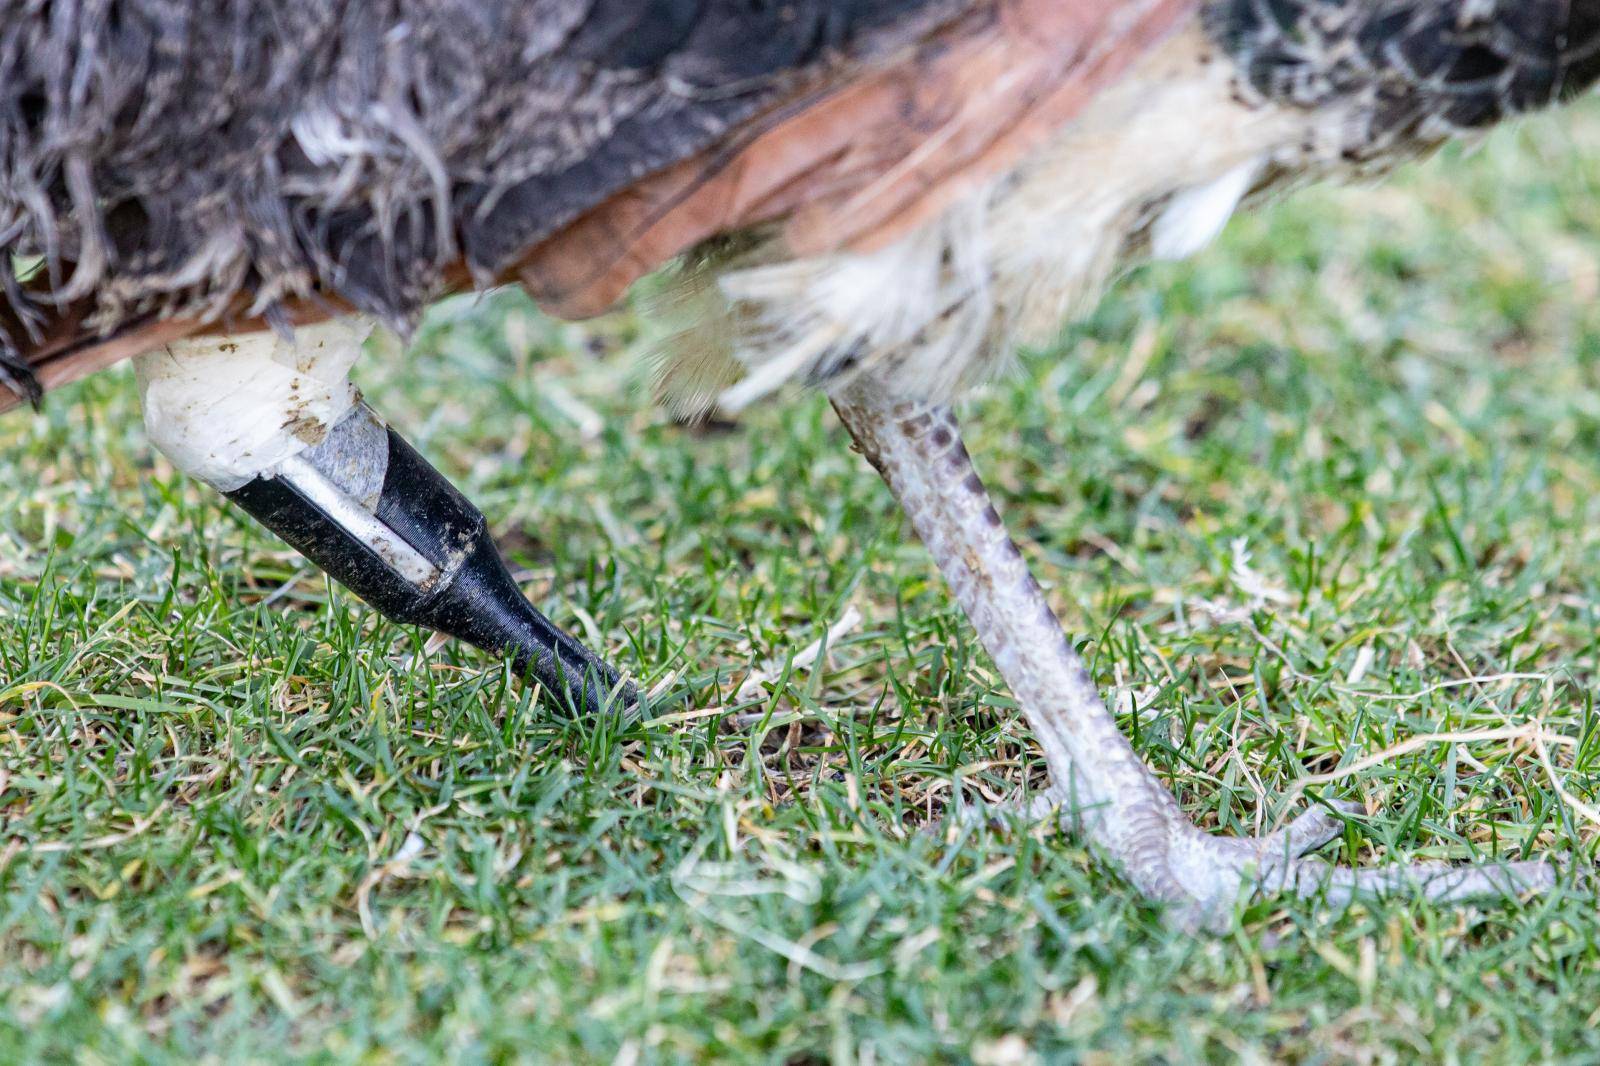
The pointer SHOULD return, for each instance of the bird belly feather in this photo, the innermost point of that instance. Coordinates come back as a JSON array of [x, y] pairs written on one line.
[[1157, 164]]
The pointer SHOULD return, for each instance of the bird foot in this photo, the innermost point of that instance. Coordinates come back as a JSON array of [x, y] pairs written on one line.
[[1201, 877]]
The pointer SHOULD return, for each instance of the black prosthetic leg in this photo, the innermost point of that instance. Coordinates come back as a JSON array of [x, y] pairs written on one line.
[[369, 510]]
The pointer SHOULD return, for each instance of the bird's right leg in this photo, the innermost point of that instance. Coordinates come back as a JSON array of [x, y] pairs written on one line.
[[1105, 790], [276, 426]]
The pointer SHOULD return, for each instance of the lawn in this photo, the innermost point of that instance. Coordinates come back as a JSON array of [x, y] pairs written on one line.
[[1324, 504]]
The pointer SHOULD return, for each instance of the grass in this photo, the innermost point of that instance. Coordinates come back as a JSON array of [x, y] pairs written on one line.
[[1326, 503]]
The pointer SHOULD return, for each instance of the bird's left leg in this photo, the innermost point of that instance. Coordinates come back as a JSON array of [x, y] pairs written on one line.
[[1107, 792], [275, 424]]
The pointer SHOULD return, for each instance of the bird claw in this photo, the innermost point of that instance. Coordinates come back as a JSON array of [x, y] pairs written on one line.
[[1312, 829]]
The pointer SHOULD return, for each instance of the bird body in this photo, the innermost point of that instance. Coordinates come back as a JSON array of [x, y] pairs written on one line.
[[1232, 105], [1155, 163], [879, 198], [217, 163], [223, 161]]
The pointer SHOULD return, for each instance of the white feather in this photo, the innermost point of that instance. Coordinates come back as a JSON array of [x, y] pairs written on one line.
[[1196, 216]]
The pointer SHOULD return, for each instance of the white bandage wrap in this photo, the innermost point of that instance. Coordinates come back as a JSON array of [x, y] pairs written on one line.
[[227, 409]]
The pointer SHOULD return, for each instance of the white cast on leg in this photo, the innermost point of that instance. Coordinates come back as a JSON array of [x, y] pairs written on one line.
[[225, 409]]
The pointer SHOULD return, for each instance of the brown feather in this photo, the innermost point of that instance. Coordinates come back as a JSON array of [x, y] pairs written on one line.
[[868, 161]]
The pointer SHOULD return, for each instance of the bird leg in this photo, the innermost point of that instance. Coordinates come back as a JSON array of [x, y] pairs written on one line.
[[276, 426], [1107, 793]]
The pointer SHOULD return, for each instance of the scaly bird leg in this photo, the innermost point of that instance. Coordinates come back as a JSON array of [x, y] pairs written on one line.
[[1110, 797]]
